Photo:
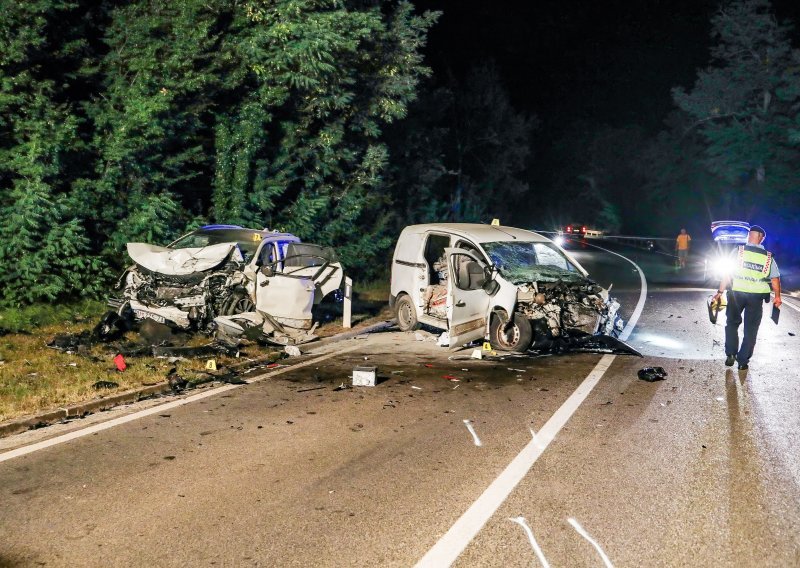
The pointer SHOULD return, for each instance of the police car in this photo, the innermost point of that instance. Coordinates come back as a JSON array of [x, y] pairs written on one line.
[[727, 235]]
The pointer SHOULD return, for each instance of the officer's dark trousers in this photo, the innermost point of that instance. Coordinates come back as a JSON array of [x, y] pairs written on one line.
[[752, 305]]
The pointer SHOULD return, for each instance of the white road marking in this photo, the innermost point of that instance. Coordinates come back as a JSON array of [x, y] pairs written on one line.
[[642, 295], [581, 531], [539, 554], [472, 431], [791, 305], [158, 409], [455, 540]]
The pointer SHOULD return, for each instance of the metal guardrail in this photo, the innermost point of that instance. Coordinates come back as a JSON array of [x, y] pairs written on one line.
[[660, 245]]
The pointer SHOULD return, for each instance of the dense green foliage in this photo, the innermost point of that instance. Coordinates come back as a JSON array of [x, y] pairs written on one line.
[[746, 104], [133, 121]]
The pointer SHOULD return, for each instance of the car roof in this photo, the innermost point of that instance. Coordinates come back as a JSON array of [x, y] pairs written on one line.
[[480, 232], [265, 232]]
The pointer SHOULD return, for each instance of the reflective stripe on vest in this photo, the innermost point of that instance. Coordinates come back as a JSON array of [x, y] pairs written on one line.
[[752, 271]]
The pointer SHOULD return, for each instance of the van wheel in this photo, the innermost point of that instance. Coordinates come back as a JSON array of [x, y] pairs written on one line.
[[406, 314], [516, 337]]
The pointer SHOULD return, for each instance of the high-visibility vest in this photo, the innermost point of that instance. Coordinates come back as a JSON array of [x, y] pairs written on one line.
[[752, 271]]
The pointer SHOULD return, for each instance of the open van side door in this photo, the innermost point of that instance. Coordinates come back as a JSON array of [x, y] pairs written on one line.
[[467, 302]]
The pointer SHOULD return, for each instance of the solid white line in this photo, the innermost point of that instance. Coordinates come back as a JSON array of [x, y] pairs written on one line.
[[581, 531], [791, 305], [642, 295], [539, 554], [156, 409], [455, 540]]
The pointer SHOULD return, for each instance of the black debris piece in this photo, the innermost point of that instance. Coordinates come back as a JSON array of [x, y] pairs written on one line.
[[652, 374], [177, 383], [601, 344], [213, 348], [110, 327], [71, 342], [105, 385], [792, 334]]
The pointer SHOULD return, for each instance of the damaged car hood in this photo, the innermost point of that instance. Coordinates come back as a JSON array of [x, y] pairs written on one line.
[[185, 261]]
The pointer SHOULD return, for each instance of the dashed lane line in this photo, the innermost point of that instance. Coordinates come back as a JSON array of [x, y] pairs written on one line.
[[455, 540]]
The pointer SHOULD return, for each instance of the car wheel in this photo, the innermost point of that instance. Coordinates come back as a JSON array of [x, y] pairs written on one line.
[[406, 314], [239, 303], [516, 337]]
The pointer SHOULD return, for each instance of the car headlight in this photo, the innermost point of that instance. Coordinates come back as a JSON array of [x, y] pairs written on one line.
[[723, 265], [559, 240]]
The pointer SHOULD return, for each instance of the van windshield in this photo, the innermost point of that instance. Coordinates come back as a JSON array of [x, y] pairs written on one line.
[[521, 262]]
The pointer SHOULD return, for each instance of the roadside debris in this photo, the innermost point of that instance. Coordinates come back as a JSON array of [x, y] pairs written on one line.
[[119, 362], [468, 424], [292, 351], [652, 374], [364, 376], [105, 385]]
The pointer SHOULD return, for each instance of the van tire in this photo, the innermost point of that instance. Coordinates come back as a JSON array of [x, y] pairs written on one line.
[[517, 337], [406, 313]]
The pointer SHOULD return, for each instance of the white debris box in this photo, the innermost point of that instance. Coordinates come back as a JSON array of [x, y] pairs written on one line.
[[364, 376]]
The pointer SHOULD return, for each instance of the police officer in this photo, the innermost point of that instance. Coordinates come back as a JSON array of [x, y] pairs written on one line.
[[749, 287]]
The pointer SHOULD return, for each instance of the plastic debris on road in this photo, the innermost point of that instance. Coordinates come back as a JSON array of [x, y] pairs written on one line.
[[364, 376], [652, 374], [292, 351]]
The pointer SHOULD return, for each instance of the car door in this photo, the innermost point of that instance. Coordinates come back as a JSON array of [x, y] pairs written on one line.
[[468, 302], [289, 287]]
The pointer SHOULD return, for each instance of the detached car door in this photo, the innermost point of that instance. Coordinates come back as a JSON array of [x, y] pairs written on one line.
[[468, 302]]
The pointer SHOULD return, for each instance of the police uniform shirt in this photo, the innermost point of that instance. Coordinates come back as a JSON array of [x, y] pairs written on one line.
[[773, 266]]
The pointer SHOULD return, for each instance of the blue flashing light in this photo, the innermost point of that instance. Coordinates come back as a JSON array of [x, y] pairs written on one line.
[[216, 227], [730, 231]]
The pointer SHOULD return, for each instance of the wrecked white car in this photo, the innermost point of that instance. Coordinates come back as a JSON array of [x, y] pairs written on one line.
[[228, 279], [514, 287]]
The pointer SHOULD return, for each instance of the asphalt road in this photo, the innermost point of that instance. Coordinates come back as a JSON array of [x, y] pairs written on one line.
[[701, 469]]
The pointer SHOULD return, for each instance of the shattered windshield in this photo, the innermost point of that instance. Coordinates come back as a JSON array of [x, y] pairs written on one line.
[[520, 262], [248, 241]]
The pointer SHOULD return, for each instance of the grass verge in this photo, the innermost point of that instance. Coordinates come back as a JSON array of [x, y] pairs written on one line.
[[35, 378]]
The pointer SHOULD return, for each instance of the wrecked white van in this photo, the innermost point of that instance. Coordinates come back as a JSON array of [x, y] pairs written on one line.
[[514, 287], [228, 278]]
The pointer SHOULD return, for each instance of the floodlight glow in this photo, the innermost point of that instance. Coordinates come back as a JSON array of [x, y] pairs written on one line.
[[723, 265]]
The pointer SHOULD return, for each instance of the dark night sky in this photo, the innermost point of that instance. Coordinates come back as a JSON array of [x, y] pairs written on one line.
[[610, 62]]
